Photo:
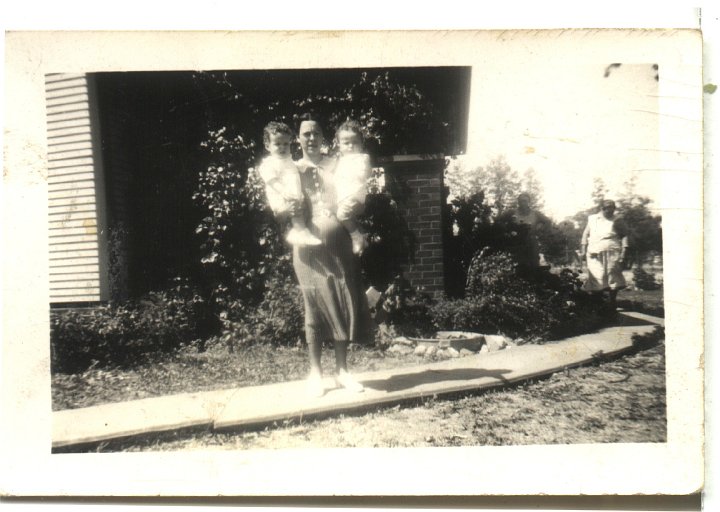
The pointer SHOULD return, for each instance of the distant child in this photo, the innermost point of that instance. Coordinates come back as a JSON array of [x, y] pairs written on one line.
[[282, 181], [351, 175]]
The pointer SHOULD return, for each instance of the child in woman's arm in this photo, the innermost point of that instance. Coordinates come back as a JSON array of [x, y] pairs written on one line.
[[351, 175], [282, 182]]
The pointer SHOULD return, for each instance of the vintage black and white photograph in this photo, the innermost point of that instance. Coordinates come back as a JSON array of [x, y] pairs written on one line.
[[374, 255]]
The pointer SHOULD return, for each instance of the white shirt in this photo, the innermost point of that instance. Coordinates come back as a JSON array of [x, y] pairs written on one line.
[[600, 235]]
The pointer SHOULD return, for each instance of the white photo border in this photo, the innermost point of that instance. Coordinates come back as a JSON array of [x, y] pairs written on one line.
[[675, 467]]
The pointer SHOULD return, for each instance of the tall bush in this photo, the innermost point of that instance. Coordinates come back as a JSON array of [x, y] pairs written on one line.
[[471, 226], [238, 235], [501, 297]]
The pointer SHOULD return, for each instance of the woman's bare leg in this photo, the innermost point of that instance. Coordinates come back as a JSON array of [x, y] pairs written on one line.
[[340, 356], [342, 377], [613, 299], [314, 382], [315, 355]]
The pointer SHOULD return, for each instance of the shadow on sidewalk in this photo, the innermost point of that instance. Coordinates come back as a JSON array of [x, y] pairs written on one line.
[[411, 380], [621, 320]]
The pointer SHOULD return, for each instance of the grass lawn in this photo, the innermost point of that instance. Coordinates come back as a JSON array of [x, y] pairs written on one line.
[[642, 301], [216, 368]]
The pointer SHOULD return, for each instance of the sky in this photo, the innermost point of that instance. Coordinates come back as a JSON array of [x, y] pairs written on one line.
[[570, 124]]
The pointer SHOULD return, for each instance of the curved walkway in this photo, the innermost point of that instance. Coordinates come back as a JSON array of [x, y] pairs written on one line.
[[261, 405]]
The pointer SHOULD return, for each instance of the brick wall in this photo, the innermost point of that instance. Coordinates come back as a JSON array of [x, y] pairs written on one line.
[[421, 181]]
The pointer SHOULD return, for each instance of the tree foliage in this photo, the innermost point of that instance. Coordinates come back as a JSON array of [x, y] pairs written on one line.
[[599, 192], [460, 180], [533, 188], [644, 227], [482, 203], [397, 117], [499, 184], [241, 240], [473, 227]]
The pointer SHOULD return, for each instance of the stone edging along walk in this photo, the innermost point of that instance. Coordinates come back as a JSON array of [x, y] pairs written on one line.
[[260, 405]]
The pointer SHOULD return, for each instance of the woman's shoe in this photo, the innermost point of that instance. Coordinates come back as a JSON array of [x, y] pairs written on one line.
[[345, 380]]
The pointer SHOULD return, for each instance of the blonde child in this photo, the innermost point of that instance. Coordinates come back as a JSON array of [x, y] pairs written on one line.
[[351, 175], [282, 181]]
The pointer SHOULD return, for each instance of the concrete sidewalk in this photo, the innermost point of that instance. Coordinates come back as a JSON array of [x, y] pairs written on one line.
[[261, 405]]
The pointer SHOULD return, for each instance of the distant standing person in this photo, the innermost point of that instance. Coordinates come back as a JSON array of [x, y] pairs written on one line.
[[605, 244], [534, 220]]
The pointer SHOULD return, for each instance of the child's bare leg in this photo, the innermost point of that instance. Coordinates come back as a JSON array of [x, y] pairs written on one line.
[[298, 222], [349, 224], [300, 234], [358, 239]]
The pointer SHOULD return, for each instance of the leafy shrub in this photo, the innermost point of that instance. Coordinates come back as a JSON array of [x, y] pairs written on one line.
[[279, 318], [391, 243], [515, 316], [471, 227], [650, 339], [490, 273], [239, 235], [644, 280], [503, 298], [124, 334], [405, 311], [577, 310]]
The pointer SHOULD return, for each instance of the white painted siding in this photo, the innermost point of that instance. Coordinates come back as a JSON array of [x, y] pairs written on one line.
[[76, 193]]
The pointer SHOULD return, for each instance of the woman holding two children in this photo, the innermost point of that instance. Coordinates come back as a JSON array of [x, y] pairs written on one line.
[[328, 273]]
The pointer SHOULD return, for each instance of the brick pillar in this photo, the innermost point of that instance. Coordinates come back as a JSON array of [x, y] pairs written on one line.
[[420, 182]]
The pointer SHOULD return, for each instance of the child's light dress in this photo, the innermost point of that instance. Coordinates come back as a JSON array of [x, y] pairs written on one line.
[[351, 175], [286, 172]]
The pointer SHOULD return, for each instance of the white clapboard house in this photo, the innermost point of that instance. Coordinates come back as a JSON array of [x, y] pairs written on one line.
[[77, 199]]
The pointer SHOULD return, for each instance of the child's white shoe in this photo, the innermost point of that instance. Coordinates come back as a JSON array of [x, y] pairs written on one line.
[[301, 237], [345, 380], [359, 242]]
